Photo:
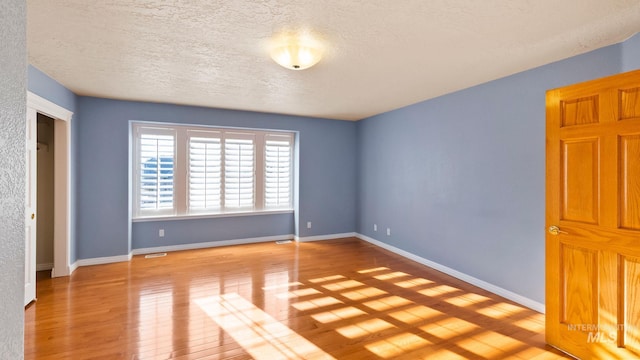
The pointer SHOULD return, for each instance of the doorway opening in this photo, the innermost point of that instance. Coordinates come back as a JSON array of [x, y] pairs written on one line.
[[45, 192], [61, 207]]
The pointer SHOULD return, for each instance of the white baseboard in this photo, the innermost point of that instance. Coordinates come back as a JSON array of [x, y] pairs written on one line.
[[211, 244], [102, 260], [46, 266], [65, 271], [325, 237], [524, 301]]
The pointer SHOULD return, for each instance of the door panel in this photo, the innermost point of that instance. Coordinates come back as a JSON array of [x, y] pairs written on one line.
[[580, 162], [630, 182], [580, 111], [579, 285], [30, 208], [630, 103], [593, 197], [631, 291]]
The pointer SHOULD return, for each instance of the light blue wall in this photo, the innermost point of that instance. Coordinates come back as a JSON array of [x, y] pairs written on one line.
[[46, 87], [145, 234], [326, 188], [460, 179], [631, 53]]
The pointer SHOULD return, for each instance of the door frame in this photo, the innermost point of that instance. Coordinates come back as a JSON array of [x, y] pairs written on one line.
[[61, 180]]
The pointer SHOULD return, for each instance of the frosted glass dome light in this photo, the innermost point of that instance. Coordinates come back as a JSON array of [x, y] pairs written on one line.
[[296, 52]]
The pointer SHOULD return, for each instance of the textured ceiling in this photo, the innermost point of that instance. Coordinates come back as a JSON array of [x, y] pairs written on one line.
[[380, 55]]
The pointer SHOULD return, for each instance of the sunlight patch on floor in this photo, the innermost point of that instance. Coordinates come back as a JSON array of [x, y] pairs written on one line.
[[438, 290], [416, 314], [397, 345], [460, 301], [476, 298], [326, 278], [438, 331], [342, 285], [367, 271], [413, 283], [458, 325], [257, 332], [338, 314], [282, 286], [362, 294], [389, 276], [500, 310], [316, 303], [363, 328], [298, 293], [387, 303]]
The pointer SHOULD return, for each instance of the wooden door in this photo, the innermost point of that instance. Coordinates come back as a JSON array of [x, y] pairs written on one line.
[[593, 201], [30, 208]]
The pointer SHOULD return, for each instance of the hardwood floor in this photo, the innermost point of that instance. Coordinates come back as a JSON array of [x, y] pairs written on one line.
[[338, 299]]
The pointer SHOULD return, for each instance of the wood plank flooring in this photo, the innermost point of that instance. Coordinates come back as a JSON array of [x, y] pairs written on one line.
[[337, 299]]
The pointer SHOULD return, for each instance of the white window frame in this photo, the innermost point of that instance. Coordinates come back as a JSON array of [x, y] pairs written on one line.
[[181, 176]]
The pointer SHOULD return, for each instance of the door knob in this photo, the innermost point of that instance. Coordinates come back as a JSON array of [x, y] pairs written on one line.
[[33, 216], [554, 230]]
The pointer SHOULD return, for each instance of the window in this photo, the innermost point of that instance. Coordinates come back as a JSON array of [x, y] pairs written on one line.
[[239, 171], [277, 180], [156, 171], [205, 171], [183, 171]]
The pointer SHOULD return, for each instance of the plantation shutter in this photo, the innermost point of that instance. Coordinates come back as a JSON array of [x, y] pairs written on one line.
[[205, 172], [278, 156], [156, 172], [239, 171]]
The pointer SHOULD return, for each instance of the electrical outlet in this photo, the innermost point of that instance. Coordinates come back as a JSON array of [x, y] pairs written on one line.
[[388, 231], [375, 227], [308, 224], [161, 233]]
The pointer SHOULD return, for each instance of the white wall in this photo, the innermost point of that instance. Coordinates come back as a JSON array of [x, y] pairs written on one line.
[[13, 102]]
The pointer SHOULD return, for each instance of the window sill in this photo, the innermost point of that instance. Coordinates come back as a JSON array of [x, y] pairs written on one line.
[[210, 216]]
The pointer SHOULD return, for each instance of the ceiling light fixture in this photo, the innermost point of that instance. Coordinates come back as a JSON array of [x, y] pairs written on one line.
[[296, 52]]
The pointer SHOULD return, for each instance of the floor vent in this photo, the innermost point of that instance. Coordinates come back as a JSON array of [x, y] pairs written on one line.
[[280, 242], [151, 256]]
